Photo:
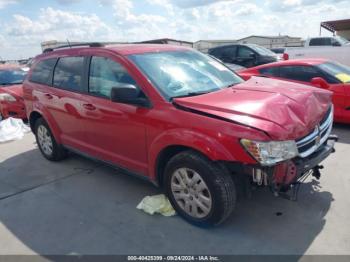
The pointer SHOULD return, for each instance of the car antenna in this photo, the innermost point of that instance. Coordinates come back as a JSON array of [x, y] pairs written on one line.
[[69, 43]]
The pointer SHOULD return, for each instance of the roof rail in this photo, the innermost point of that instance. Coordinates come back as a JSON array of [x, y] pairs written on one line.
[[73, 45]]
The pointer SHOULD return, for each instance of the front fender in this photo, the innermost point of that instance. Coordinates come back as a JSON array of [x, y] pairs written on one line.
[[208, 146]]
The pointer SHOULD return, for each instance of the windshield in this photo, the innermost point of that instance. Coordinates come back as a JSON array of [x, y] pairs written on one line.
[[12, 76], [262, 50], [341, 72], [185, 73]]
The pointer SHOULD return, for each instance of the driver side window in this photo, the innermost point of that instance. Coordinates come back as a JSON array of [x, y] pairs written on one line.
[[245, 52], [106, 74]]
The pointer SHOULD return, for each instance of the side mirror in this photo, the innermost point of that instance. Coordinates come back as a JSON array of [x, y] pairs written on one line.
[[128, 94], [336, 43], [319, 82]]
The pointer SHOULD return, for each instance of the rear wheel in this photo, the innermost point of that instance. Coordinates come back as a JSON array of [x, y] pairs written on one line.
[[47, 143], [201, 191]]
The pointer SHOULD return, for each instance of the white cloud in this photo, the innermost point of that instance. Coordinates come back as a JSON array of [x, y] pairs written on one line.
[[4, 3], [187, 20], [57, 24]]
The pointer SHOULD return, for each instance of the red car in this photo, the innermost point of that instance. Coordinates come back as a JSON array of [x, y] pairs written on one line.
[[316, 72], [179, 119], [11, 92]]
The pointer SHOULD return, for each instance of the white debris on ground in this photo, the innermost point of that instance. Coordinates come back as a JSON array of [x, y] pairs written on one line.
[[12, 129], [157, 204]]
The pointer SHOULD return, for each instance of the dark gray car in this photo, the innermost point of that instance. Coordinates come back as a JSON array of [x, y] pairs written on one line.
[[247, 55]]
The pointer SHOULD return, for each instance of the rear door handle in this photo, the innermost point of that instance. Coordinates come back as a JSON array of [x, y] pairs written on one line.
[[48, 96], [89, 106]]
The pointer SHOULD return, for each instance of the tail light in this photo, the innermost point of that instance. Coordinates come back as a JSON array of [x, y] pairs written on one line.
[[285, 56]]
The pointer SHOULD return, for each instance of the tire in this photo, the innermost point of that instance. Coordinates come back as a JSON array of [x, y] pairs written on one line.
[[206, 182], [49, 148]]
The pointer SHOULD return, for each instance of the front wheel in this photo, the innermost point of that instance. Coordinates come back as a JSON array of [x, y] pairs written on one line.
[[201, 191]]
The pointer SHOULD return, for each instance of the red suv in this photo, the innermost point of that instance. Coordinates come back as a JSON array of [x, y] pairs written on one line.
[[180, 119]]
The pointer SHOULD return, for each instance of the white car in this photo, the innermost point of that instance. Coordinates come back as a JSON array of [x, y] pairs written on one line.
[[338, 51]]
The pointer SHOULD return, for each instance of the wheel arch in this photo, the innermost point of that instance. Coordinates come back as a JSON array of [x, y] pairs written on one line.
[[35, 115], [175, 141]]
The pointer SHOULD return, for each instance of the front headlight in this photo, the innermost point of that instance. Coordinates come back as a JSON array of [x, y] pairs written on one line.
[[270, 153], [7, 97]]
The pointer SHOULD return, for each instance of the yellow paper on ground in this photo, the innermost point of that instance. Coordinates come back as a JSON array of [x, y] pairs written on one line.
[[156, 204], [345, 78]]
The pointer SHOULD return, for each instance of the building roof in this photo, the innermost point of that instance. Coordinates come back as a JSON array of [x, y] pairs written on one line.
[[269, 37], [338, 25], [217, 41]]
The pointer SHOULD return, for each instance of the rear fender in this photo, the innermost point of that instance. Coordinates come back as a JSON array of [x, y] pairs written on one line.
[[50, 120]]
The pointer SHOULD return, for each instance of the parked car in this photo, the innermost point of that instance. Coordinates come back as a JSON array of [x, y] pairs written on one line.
[[316, 72], [180, 119], [331, 48], [247, 55], [326, 41], [11, 92]]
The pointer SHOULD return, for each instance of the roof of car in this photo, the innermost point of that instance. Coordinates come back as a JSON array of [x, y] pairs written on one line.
[[122, 49]]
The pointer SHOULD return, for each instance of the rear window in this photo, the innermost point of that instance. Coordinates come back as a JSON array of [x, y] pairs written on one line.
[[320, 42], [69, 73], [42, 72]]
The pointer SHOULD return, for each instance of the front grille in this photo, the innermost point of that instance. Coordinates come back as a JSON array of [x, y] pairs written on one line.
[[311, 142]]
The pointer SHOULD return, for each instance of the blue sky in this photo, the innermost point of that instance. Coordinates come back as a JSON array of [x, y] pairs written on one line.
[[26, 23]]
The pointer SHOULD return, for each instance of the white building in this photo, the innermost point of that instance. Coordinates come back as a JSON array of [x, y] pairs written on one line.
[[272, 41], [266, 41], [204, 45]]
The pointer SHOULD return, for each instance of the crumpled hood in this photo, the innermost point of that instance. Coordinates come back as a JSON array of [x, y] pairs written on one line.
[[283, 110]]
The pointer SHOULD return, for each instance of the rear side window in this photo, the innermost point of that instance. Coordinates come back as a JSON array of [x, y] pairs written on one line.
[[69, 73], [226, 54], [299, 73], [106, 74], [42, 72], [270, 71], [320, 42]]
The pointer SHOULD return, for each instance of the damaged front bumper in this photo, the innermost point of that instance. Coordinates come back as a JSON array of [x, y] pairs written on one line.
[[285, 178]]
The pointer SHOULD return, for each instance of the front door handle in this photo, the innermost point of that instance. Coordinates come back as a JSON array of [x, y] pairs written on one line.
[[89, 107]]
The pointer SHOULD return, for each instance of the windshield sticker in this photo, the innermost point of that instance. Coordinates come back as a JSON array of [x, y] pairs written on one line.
[[345, 78]]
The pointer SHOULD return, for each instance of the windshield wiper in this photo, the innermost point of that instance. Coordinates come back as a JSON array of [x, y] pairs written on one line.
[[191, 94], [9, 84], [231, 85]]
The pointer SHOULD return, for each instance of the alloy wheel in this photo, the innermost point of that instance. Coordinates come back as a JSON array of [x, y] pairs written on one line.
[[45, 140], [191, 193]]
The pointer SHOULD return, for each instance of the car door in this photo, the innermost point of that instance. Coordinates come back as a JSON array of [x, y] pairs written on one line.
[[116, 132], [66, 98], [246, 57]]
